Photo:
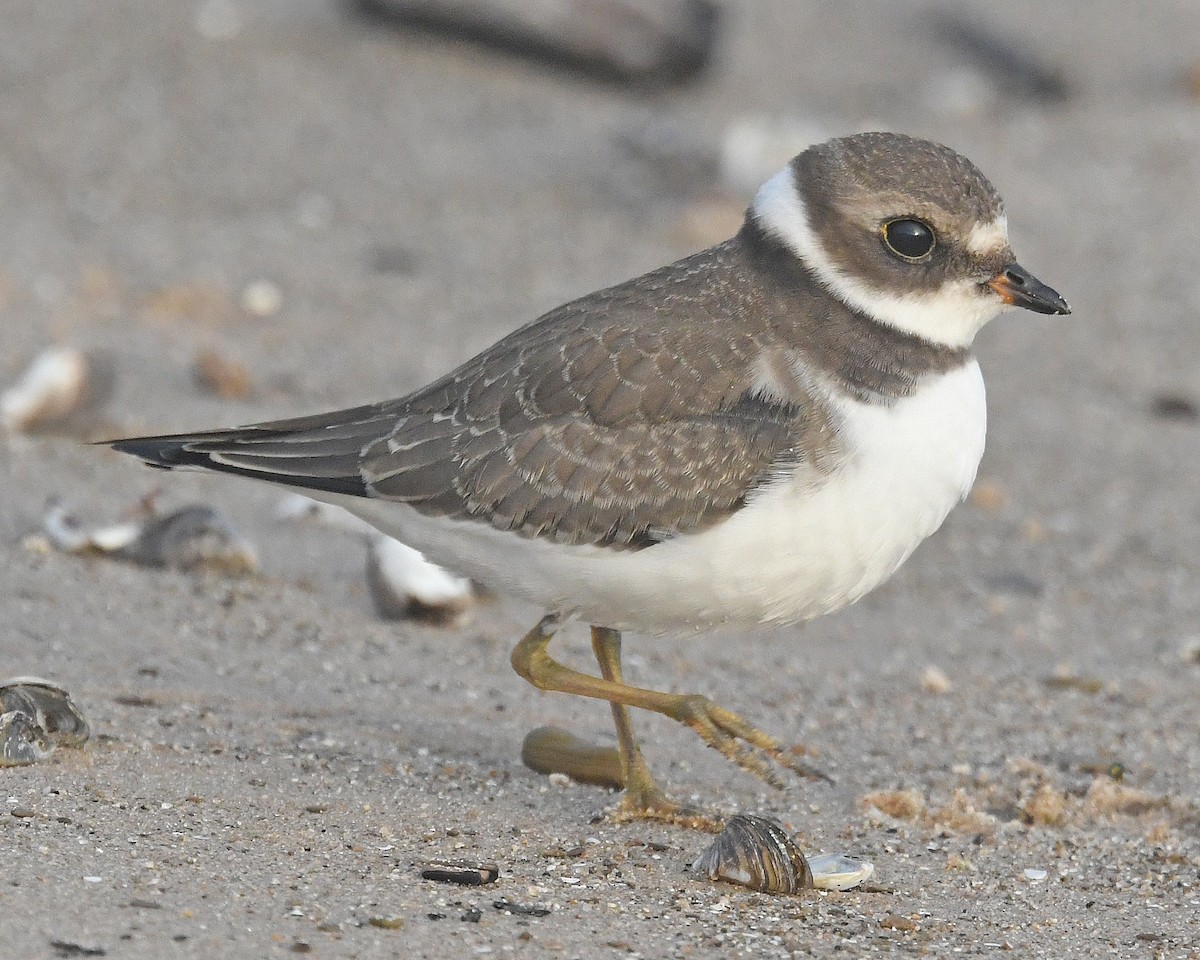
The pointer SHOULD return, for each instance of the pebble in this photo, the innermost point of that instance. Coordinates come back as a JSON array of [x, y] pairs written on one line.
[[465, 874], [262, 298], [934, 680]]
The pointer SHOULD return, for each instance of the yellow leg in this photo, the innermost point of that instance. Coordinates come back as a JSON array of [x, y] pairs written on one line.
[[724, 731], [643, 797]]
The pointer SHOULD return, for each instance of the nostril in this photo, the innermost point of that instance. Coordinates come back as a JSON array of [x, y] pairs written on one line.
[[1014, 278]]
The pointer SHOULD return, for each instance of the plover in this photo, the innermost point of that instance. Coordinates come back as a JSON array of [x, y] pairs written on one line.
[[759, 433]]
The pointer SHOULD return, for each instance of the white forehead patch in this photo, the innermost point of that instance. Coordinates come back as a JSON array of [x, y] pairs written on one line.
[[951, 315], [990, 237]]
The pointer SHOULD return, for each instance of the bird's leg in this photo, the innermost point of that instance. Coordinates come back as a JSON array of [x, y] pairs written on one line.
[[724, 731], [643, 797]]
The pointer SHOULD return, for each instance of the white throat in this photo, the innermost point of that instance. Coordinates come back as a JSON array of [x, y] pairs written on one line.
[[951, 315]]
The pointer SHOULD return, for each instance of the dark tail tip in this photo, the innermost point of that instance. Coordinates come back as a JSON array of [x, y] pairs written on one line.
[[155, 451]]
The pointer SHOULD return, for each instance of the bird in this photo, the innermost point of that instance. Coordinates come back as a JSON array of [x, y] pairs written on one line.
[[757, 434]]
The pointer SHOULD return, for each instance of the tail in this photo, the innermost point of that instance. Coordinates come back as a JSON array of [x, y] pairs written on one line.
[[311, 453]]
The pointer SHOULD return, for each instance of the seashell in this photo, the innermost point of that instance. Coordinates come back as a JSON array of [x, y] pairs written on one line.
[[839, 871], [758, 853], [553, 750], [192, 538], [60, 383], [404, 585], [21, 740], [187, 539], [35, 717], [66, 533]]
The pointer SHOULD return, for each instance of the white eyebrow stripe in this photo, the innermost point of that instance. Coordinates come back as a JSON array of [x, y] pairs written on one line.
[[951, 315], [988, 237]]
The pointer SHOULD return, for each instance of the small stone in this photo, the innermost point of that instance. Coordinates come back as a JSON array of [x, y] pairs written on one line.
[[519, 909], [894, 921], [262, 298], [465, 874], [934, 681], [1035, 876], [387, 923], [1175, 406], [219, 375]]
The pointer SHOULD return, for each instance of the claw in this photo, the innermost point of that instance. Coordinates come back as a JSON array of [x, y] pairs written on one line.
[[741, 742]]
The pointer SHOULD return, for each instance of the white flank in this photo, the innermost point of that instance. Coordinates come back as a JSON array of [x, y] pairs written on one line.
[[950, 316], [796, 551]]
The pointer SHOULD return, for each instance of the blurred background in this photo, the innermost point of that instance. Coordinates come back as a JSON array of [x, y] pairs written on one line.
[[235, 210]]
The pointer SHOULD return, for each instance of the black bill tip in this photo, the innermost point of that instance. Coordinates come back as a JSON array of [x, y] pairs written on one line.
[[1018, 287]]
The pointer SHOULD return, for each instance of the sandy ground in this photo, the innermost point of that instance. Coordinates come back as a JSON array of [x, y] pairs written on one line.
[[272, 763]]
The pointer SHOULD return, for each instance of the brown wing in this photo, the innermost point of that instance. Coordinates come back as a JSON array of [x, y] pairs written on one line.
[[620, 419]]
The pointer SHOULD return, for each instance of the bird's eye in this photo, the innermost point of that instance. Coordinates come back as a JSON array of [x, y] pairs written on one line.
[[910, 239]]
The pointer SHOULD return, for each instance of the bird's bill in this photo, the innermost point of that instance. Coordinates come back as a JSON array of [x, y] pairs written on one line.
[[1018, 287]]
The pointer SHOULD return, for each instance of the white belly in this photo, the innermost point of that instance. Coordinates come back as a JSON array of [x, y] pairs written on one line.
[[791, 554]]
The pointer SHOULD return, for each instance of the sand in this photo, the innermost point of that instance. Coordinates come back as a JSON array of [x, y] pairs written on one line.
[[271, 764]]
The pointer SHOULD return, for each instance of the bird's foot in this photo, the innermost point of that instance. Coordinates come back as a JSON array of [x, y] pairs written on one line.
[[746, 745], [645, 800]]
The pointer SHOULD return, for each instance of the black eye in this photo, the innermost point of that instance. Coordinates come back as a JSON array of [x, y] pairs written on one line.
[[910, 239]]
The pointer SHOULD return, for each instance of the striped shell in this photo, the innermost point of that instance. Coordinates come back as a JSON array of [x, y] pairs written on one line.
[[756, 852]]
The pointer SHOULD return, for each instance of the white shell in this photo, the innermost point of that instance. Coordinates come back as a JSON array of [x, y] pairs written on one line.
[[59, 382], [839, 871], [403, 583]]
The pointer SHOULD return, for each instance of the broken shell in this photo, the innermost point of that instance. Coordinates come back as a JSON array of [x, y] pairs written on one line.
[[839, 871], [35, 717], [66, 533], [21, 740], [60, 382], [758, 853], [50, 707], [553, 750], [190, 538], [404, 584]]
